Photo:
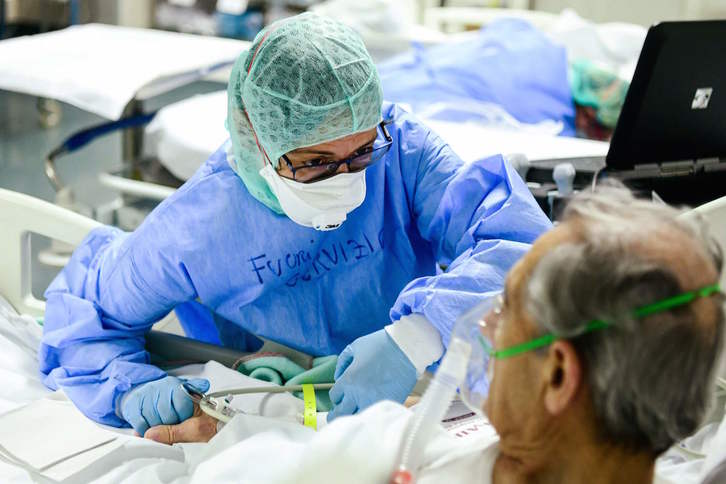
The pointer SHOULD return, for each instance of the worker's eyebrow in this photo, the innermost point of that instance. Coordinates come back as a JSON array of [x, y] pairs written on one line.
[[311, 151], [317, 151]]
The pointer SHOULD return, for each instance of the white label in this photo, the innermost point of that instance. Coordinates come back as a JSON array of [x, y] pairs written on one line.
[[701, 98]]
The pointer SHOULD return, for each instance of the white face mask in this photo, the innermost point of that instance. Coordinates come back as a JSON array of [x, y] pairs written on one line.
[[323, 205]]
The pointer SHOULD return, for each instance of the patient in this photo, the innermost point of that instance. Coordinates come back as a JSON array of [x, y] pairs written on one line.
[[590, 407]]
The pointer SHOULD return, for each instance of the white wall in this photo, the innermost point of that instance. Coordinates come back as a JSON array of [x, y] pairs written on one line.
[[644, 12], [129, 13]]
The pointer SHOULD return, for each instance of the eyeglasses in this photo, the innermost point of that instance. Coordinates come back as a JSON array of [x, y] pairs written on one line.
[[480, 326], [317, 170]]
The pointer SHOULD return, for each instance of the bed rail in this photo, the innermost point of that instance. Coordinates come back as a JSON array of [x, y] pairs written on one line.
[[20, 216], [714, 213]]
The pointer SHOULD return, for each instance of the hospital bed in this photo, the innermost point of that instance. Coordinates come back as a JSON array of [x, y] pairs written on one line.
[[112, 453], [20, 217], [111, 71], [184, 134]]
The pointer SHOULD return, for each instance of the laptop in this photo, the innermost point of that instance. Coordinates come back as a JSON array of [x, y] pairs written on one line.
[[673, 121]]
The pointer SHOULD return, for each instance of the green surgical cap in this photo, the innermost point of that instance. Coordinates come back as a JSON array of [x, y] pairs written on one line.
[[305, 80], [600, 89]]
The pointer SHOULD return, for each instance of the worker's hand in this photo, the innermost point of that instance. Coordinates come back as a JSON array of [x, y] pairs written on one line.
[[159, 402], [370, 369], [199, 428]]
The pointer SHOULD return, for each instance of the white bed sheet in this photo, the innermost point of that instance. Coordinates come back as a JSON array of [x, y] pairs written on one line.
[[184, 134], [615, 46], [473, 142], [100, 68], [278, 448], [22, 386], [19, 342]]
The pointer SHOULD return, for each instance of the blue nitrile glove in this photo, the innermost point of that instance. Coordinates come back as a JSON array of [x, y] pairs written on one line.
[[159, 402], [370, 369]]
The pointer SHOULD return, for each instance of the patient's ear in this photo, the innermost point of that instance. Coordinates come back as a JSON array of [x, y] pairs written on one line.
[[563, 376]]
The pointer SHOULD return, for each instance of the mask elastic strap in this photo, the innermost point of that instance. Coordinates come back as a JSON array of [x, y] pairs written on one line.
[[259, 146]]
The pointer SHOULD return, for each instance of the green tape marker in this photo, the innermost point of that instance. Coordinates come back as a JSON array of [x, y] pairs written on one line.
[[310, 417]]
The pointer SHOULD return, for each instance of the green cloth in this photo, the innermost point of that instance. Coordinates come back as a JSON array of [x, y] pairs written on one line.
[[305, 80], [283, 371], [600, 89], [283, 367]]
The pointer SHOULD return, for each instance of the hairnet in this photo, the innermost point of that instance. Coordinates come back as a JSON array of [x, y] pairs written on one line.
[[304, 81], [600, 89]]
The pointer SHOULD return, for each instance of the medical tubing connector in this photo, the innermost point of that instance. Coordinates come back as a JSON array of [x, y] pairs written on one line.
[[431, 410]]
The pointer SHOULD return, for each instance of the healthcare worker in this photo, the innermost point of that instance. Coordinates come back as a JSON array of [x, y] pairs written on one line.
[[331, 221]]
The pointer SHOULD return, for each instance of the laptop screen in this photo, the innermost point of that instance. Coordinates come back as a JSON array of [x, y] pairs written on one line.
[[675, 108]]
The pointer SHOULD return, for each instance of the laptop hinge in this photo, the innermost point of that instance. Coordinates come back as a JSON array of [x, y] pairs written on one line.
[[711, 164], [679, 168], [663, 170], [646, 170]]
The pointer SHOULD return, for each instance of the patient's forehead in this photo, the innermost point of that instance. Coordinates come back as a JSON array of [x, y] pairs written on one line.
[[686, 258], [680, 252]]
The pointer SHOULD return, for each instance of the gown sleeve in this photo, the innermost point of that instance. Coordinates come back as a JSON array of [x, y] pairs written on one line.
[[479, 218], [114, 288]]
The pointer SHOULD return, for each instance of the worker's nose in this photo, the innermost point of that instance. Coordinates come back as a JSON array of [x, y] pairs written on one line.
[[343, 168]]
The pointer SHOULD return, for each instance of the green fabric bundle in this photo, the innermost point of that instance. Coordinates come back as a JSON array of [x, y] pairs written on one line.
[[281, 370], [600, 89]]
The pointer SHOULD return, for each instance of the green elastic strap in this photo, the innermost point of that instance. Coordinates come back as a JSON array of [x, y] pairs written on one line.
[[530, 345], [676, 301], [656, 307], [310, 415]]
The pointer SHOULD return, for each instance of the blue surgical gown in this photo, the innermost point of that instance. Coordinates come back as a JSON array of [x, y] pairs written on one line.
[[509, 63], [433, 236]]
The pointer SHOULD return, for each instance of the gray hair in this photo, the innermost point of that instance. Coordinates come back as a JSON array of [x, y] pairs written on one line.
[[651, 380]]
